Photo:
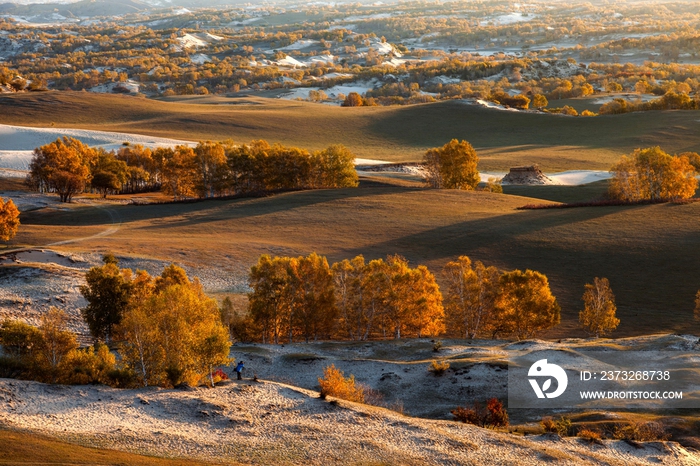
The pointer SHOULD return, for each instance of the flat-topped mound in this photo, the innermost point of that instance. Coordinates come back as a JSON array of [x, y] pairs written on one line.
[[528, 175]]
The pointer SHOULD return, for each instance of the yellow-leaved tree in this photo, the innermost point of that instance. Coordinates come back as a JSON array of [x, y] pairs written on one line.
[[452, 166], [525, 305], [598, 315], [172, 332], [62, 166], [653, 174], [9, 219], [470, 298]]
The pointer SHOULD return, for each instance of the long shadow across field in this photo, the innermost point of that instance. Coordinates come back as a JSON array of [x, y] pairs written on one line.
[[212, 210], [654, 278]]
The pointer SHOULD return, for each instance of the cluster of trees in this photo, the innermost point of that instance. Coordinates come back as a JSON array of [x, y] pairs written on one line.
[[166, 329], [306, 298], [452, 166], [669, 101], [50, 353], [482, 301], [652, 174], [67, 167], [9, 219]]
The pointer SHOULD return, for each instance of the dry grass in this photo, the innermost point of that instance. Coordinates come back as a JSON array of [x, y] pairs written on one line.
[[503, 139], [26, 448], [647, 252]]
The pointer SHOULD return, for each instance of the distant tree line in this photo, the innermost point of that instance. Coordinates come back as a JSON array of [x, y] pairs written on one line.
[[305, 298], [68, 167], [669, 101]]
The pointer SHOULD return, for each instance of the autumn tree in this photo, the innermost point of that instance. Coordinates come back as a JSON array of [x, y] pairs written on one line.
[[107, 292], [178, 171], [313, 297], [210, 162], [407, 299], [353, 99], [470, 298], [9, 219], [108, 173], [56, 342], [452, 166], [653, 174], [268, 300], [173, 332], [61, 167], [525, 305], [598, 315], [356, 310], [539, 101], [334, 167]]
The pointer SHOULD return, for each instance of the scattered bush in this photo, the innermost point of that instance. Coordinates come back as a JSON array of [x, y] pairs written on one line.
[[563, 426], [593, 436], [437, 346], [494, 416], [438, 367], [334, 383], [548, 425], [640, 432]]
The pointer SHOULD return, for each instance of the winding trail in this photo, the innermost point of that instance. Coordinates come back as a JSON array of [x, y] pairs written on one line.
[[116, 223]]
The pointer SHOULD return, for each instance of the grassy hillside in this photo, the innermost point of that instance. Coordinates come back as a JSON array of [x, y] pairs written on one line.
[[649, 253], [503, 139], [27, 448]]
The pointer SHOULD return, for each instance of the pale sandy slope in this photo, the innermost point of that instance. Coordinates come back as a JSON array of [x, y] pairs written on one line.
[[269, 423], [18, 142]]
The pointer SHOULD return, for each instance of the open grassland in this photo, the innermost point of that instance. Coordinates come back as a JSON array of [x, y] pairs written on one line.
[[27, 448], [650, 253], [503, 139]]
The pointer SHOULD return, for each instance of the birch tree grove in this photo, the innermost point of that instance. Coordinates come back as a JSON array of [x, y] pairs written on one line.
[[470, 299], [598, 315]]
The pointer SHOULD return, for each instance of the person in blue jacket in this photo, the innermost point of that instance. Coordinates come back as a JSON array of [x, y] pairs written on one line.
[[239, 368]]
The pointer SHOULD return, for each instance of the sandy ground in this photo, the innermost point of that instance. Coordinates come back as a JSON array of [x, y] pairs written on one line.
[[17, 143], [269, 423], [33, 280]]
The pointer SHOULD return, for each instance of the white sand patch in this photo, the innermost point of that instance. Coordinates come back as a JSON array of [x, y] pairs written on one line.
[[17, 143], [629, 97], [290, 61], [188, 40], [370, 162], [332, 92], [485, 176], [200, 59], [107, 88], [492, 105], [579, 177], [508, 19], [300, 44]]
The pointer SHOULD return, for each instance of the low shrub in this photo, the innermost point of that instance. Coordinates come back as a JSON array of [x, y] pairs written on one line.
[[563, 426], [548, 425], [334, 383], [591, 435], [437, 346], [641, 432], [438, 367], [493, 416]]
